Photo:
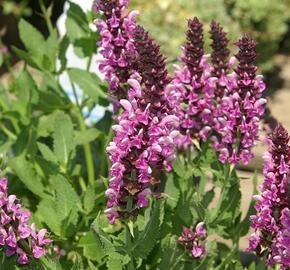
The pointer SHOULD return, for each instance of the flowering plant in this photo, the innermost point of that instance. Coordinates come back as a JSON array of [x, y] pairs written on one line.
[[153, 182]]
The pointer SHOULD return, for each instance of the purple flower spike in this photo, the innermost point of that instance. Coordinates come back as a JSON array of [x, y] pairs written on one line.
[[272, 221], [193, 49], [194, 241], [242, 107], [144, 134], [116, 30], [219, 56], [15, 229], [191, 92]]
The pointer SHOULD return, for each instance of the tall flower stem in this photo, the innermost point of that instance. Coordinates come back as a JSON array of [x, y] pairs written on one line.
[[87, 147], [131, 265], [88, 153]]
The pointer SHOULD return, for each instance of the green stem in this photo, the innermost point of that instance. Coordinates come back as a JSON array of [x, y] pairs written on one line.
[[89, 62], [88, 153], [87, 146], [128, 234], [46, 16], [11, 135]]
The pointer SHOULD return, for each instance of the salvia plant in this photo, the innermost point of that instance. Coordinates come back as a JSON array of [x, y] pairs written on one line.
[[152, 182]]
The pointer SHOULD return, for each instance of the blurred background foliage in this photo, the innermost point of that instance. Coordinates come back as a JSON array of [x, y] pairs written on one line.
[[266, 20]]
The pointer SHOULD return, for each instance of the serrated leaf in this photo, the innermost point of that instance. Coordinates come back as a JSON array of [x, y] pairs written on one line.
[[147, 238], [169, 255], [46, 152], [92, 247], [114, 261], [88, 82], [45, 125], [180, 168], [67, 201], [48, 215], [50, 263], [27, 174], [63, 137], [103, 237], [86, 136]]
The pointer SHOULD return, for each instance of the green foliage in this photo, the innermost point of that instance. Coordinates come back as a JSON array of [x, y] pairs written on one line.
[[149, 236], [266, 20], [57, 163]]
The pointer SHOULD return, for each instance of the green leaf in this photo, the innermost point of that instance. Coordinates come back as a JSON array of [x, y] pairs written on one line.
[[50, 263], [92, 247], [46, 212], [27, 174], [227, 212], [88, 82], [45, 125], [103, 237], [91, 266], [63, 137], [1, 59], [26, 94], [114, 261], [85, 47], [243, 227], [63, 46], [51, 51], [172, 191], [49, 102], [32, 39], [67, 201], [89, 199], [181, 169], [25, 143], [26, 57], [46, 153], [76, 23], [169, 255], [78, 265], [148, 238], [86, 136]]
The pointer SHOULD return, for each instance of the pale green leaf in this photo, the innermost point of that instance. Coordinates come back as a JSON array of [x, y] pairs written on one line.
[[67, 201], [46, 152], [92, 247], [32, 39], [89, 199], [48, 215], [27, 174], [88, 82], [63, 137], [148, 238], [86, 136]]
